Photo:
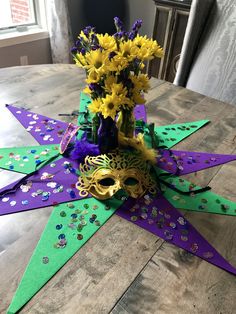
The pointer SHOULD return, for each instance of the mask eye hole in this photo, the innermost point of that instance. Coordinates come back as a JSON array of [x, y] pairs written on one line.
[[131, 181], [107, 182]]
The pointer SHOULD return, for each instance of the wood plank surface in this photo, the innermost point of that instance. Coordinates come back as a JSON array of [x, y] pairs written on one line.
[[123, 268]]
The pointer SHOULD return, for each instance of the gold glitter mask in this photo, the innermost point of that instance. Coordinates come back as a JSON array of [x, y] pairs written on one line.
[[102, 176]]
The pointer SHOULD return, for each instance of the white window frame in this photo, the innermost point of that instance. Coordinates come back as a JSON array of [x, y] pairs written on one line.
[[27, 33]]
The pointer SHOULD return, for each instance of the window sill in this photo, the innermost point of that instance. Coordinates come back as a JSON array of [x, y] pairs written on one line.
[[15, 38]]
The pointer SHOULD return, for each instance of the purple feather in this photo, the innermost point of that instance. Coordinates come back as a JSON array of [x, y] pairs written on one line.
[[82, 149]]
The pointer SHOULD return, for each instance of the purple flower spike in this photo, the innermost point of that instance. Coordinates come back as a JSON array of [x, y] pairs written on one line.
[[118, 24], [83, 51], [132, 35], [73, 50], [136, 26], [87, 30]]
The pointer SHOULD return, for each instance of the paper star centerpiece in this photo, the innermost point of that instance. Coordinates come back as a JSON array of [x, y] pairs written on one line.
[[52, 181]]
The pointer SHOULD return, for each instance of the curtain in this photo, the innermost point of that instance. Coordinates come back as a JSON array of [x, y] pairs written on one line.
[[59, 28]]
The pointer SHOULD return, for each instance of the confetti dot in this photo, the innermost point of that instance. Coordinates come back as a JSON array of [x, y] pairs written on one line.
[[58, 227], [5, 199]]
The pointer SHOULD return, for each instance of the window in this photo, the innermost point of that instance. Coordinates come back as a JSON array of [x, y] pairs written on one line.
[[19, 19], [16, 13]]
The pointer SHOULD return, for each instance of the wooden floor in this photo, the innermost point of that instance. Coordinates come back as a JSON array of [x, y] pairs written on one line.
[[123, 268]]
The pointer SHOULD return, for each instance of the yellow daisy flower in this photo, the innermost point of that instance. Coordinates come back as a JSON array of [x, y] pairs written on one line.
[[96, 61], [107, 42], [148, 48], [95, 105], [109, 81], [93, 77], [110, 105], [119, 89], [137, 98], [80, 60], [126, 102], [82, 35], [128, 49], [87, 90], [144, 82], [117, 63]]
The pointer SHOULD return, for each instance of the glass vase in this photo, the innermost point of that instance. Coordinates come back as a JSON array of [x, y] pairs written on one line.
[[107, 134], [126, 122]]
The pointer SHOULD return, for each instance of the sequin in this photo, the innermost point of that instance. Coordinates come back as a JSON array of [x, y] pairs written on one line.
[[61, 236], [45, 198], [133, 218], [58, 227], [224, 207], [79, 227], [79, 236], [201, 206], [184, 238], [73, 215], [97, 223], [85, 212], [168, 235], [72, 194], [45, 260], [63, 213], [144, 215], [70, 205], [72, 226], [62, 243], [208, 254], [181, 221], [194, 247]]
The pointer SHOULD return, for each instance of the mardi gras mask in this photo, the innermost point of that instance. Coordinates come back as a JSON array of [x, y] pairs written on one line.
[[102, 176]]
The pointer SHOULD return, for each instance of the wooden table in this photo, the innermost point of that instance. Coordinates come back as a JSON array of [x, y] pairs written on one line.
[[123, 269]]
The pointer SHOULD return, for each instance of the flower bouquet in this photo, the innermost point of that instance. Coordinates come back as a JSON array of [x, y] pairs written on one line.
[[115, 85]]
